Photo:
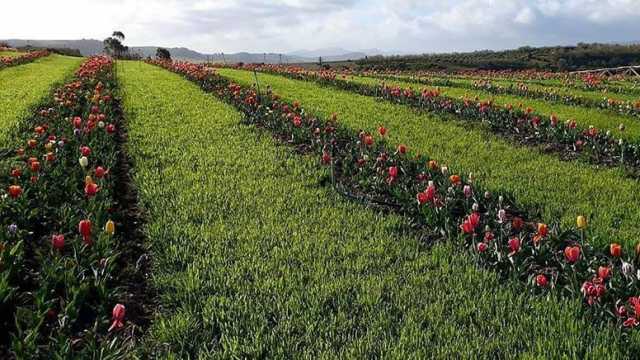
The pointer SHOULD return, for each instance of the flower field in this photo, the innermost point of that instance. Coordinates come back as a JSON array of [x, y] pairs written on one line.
[[13, 59], [174, 210]]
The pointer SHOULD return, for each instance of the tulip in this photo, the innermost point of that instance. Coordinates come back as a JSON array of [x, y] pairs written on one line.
[[543, 229], [402, 149], [482, 247], [15, 191], [16, 173], [50, 157], [297, 121], [502, 216], [432, 165], [110, 227], [455, 179], [581, 222], [326, 158], [32, 143], [382, 131], [470, 223], [100, 172], [393, 171], [85, 151], [117, 317], [615, 250], [91, 189], [35, 166], [77, 122], [111, 128], [368, 140], [514, 245], [57, 241], [422, 198], [84, 162], [541, 280], [84, 228], [467, 191], [571, 254], [604, 272]]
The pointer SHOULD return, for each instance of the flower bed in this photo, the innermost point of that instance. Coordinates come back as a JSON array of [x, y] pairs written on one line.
[[621, 107], [60, 234], [492, 227], [523, 125], [6, 61]]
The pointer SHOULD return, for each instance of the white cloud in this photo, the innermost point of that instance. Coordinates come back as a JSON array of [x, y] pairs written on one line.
[[283, 25]]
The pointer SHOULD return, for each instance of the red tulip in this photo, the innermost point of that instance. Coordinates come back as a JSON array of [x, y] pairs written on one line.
[[482, 247], [84, 227], [117, 317], [514, 245], [382, 131], [604, 272], [402, 149], [57, 241], [543, 229], [100, 172], [85, 151], [90, 189], [615, 250], [470, 224], [77, 122], [422, 198], [50, 157], [541, 280], [111, 128], [572, 253], [368, 140], [15, 191], [16, 173], [326, 158], [32, 143], [393, 171], [297, 121], [35, 166]]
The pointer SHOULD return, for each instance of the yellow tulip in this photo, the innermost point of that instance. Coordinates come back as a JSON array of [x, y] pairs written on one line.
[[581, 221], [110, 227]]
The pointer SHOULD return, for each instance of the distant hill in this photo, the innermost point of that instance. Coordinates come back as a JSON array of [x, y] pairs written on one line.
[[554, 58], [89, 47]]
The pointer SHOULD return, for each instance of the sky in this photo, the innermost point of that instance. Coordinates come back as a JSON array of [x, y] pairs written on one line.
[[282, 26]]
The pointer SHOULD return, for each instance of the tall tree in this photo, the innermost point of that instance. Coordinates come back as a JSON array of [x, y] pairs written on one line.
[[163, 54]]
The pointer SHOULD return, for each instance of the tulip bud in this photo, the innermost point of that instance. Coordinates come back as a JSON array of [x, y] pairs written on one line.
[[57, 241], [467, 191], [581, 222], [541, 280], [84, 162], [117, 317], [615, 250], [110, 227]]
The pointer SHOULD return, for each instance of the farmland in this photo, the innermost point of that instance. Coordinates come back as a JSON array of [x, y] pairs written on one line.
[[158, 209]]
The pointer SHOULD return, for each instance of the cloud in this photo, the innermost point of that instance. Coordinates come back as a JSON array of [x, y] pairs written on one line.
[[285, 25]]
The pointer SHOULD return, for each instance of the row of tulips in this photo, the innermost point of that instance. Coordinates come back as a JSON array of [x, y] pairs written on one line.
[[491, 227], [522, 124], [631, 108], [616, 84], [58, 240], [7, 61]]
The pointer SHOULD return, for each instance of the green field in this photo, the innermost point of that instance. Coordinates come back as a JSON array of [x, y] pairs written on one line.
[[10, 53], [254, 258], [23, 86], [585, 117], [559, 189]]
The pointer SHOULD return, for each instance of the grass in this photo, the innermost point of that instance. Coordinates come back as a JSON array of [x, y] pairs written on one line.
[[10, 53], [556, 189], [253, 258], [584, 116], [23, 86]]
